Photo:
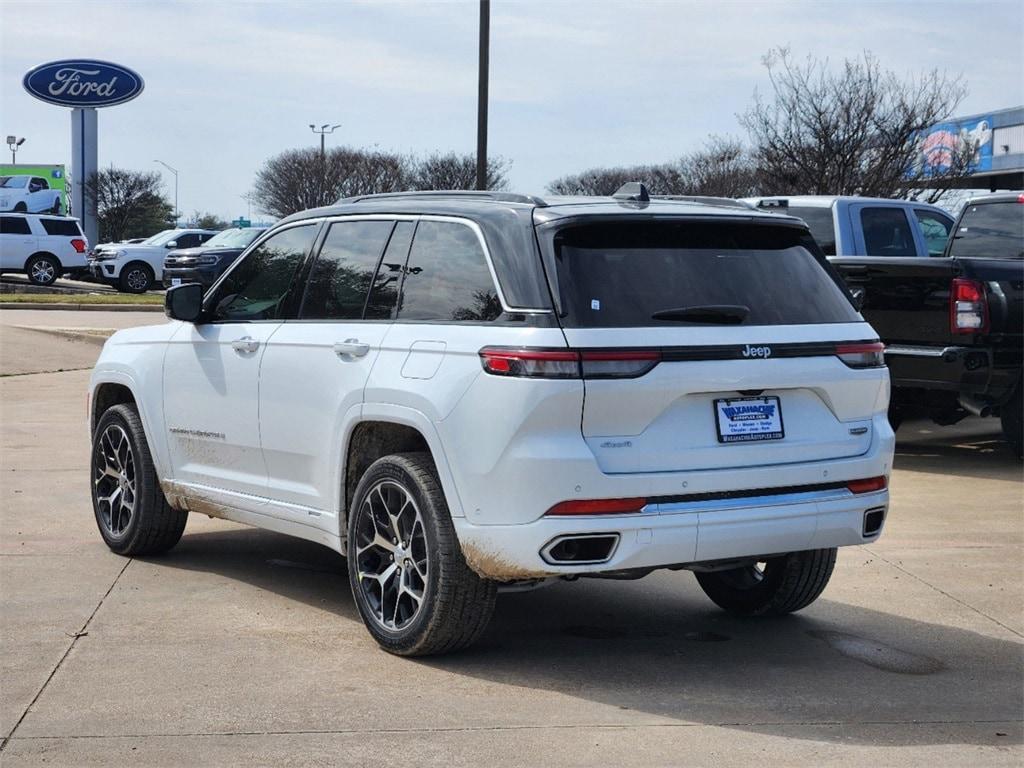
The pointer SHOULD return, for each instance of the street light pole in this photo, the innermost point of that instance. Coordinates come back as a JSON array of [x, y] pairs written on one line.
[[481, 102], [13, 143], [175, 172], [323, 130]]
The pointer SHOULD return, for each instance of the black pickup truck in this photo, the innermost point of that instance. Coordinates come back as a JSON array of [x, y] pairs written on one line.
[[953, 325]]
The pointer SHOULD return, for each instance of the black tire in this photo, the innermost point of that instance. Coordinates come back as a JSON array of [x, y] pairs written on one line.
[[785, 584], [1013, 424], [55, 210], [455, 604], [152, 526], [42, 270], [136, 277]]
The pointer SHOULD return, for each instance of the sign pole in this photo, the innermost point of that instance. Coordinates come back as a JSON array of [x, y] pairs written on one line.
[[83, 165]]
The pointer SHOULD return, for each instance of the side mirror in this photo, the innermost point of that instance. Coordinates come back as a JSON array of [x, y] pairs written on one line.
[[172, 244], [184, 302]]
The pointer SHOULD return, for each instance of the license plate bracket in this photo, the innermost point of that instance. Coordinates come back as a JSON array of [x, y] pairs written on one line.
[[749, 419]]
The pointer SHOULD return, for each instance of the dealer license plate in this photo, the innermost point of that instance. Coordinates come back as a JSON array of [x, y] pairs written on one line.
[[175, 281], [746, 419]]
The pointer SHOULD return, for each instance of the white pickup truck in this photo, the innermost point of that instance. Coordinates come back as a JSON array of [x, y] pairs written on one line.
[[29, 194], [135, 268]]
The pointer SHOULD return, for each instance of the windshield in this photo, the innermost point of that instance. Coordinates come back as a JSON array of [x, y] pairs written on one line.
[[161, 237], [13, 182], [234, 238], [618, 274], [990, 231]]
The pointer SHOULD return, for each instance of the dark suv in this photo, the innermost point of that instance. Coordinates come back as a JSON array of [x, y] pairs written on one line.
[[207, 262]]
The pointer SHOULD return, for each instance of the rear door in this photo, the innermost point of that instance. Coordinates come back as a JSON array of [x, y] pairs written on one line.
[[315, 367], [710, 345]]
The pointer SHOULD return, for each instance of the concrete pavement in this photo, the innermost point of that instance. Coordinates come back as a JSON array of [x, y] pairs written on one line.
[[243, 647]]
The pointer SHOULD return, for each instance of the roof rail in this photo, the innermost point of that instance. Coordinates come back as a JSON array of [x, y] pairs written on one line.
[[483, 196], [725, 202]]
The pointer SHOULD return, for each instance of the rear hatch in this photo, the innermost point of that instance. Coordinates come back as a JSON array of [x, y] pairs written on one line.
[[712, 344]]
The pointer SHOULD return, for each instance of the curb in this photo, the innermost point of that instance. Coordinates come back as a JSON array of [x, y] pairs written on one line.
[[69, 306], [97, 336]]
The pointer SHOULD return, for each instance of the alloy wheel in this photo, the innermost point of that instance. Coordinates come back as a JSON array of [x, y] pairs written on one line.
[[137, 280], [114, 479], [42, 272], [391, 555]]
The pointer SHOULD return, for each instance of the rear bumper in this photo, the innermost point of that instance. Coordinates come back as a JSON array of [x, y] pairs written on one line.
[[678, 533], [980, 376]]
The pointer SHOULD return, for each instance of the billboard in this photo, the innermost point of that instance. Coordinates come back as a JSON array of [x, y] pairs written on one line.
[[33, 188], [940, 145]]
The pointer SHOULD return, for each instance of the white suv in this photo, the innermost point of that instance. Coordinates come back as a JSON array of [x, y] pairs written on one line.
[[468, 392], [137, 267], [43, 247]]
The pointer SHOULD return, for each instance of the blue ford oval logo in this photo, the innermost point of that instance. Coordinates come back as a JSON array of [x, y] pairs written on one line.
[[83, 83]]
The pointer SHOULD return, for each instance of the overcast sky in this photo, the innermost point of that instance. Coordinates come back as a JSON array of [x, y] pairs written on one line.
[[573, 85]]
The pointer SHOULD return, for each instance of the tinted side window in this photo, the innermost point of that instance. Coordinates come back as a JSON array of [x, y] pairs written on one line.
[[14, 225], [935, 229], [341, 276], [384, 295], [256, 288], [447, 277], [887, 232], [819, 221], [66, 227], [186, 241]]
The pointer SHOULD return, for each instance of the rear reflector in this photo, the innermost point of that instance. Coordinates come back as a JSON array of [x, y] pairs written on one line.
[[78, 245], [870, 355], [868, 485], [598, 507], [568, 363], [968, 307]]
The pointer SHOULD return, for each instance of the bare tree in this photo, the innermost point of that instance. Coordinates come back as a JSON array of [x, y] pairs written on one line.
[[201, 220], [299, 179], [855, 130], [128, 203], [454, 171], [722, 168]]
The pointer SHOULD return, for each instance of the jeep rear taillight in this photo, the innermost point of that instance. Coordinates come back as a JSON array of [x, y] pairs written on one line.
[[867, 355], [968, 307], [78, 245], [568, 363]]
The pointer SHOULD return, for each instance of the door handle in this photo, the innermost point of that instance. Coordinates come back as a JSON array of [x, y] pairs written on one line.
[[352, 347], [245, 344]]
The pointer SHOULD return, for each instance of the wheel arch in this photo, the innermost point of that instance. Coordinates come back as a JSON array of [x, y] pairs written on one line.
[[380, 430], [110, 388], [48, 255]]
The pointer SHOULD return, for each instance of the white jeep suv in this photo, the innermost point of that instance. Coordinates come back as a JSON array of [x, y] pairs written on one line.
[[468, 392]]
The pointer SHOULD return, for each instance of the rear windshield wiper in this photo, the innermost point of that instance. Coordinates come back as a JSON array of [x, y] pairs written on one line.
[[719, 314]]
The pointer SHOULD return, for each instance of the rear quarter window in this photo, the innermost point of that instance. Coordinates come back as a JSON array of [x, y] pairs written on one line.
[[620, 274], [63, 227], [990, 231]]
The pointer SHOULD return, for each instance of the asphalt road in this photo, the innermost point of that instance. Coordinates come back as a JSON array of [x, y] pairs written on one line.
[[244, 647]]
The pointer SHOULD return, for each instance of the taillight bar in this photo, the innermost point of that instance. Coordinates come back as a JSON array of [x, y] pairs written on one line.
[[868, 485], [568, 363], [864, 355], [78, 244], [968, 307], [598, 507]]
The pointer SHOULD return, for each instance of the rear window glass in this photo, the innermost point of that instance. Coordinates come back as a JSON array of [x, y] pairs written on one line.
[[67, 227], [819, 221], [694, 273], [991, 231]]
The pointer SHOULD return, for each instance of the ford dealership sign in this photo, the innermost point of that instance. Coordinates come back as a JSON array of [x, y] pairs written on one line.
[[83, 83]]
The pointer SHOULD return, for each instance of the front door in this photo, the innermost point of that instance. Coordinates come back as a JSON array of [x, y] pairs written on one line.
[[316, 366], [212, 370]]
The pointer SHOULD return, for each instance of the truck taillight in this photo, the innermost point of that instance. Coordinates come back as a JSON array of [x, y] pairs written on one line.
[[78, 245], [869, 355], [569, 363], [968, 308]]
